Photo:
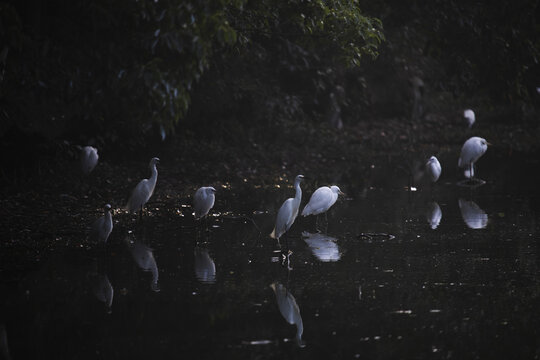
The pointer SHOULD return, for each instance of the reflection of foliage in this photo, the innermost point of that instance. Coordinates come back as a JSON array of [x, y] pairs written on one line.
[[117, 68]]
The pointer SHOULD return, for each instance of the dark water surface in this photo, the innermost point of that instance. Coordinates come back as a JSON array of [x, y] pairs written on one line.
[[448, 272]]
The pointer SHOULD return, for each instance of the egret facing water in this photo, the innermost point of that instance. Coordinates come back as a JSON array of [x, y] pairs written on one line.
[[102, 227], [288, 211], [321, 200], [471, 151], [144, 189], [203, 201], [89, 159], [433, 168]]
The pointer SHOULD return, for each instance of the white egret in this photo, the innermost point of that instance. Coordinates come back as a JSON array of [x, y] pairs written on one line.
[[89, 159], [321, 200], [288, 211], [433, 168], [205, 268], [289, 309], [144, 189], [469, 117], [473, 215], [324, 247], [102, 227], [471, 151], [203, 201], [434, 215]]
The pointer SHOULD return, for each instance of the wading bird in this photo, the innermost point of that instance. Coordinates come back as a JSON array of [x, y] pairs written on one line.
[[89, 159], [102, 227], [321, 200], [471, 151], [288, 211], [203, 201], [144, 190], [469, 117], [433, 168]]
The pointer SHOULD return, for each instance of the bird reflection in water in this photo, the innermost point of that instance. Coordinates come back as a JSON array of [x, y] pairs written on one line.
[[205, 268], [324, 247], [144, 258], [289, 309], [433, 215], [103, 290], [474, 217]]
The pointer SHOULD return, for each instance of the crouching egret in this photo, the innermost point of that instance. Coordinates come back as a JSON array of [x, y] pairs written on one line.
[[471, 151], [102, 227], [288, 211], [89, 159], [469, 117], [203, 201], [144, 189], [433, 168], [321, 200]]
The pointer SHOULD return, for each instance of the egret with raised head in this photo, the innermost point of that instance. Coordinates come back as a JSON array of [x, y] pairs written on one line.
[[144, 189], [288, 211]]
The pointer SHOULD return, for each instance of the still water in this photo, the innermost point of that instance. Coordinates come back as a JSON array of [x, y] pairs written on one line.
[[441, 272]]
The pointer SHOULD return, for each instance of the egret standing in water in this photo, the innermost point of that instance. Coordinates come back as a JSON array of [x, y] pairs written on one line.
[[321, 200], [144, 190], [203, 201], [102, 227], [469, 117], [288, 211], [433, 169], [471, 151], [89, 159]]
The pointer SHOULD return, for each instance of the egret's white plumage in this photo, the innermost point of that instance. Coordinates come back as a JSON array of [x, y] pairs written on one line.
[[144, 189], [203, 201], [288, 211], [472, 214], [321, 200], [469, 117], [433, 168], [102, 227], [289, 309], [89, 159], [471, 151]]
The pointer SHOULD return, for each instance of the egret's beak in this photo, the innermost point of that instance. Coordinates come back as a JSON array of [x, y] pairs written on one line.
[[342, 193], [489, 143]]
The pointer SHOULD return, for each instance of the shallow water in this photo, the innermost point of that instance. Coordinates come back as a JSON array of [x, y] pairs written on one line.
[[441, 272]]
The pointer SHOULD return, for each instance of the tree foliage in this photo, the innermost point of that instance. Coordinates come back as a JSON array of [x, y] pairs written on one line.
[[105, 69]]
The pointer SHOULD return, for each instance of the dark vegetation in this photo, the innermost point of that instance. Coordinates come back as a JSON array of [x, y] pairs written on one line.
[[249, 90]]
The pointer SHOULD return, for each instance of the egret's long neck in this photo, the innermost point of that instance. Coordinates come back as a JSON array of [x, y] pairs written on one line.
[[298, 195], [108, 216], [153, 178]]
